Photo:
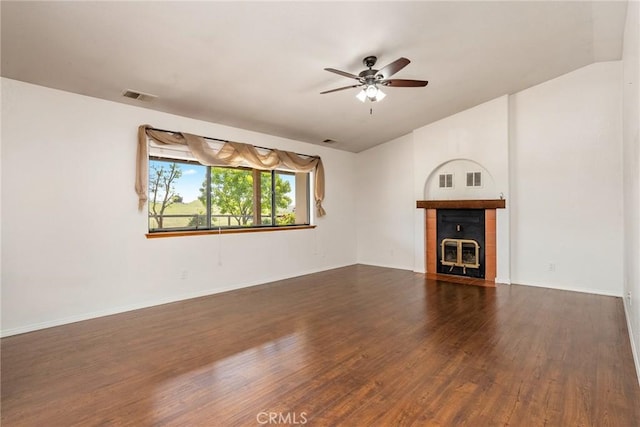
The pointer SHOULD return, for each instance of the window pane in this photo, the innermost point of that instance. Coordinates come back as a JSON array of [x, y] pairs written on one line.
[[174, 197], [469, 179], [231, 197], [477, 179], [443, 182], [301, 199], [285, 198], [449, 180]]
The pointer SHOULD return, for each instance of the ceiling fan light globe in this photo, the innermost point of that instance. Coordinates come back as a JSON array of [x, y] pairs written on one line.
[[380, 95], [362, 95], [372, 91]]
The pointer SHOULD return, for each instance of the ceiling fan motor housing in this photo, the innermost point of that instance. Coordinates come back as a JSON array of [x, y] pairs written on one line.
[[368, 76]]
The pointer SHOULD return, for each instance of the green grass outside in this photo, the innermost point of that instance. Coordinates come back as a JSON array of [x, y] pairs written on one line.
[[193, 208]]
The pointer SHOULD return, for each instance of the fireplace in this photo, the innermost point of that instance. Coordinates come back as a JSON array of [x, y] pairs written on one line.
[[460, 240]]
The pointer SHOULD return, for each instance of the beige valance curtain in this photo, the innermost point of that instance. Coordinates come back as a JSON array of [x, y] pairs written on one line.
[[232, 154]]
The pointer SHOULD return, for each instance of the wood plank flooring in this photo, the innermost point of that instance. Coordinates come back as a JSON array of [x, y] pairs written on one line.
[[356, 346]]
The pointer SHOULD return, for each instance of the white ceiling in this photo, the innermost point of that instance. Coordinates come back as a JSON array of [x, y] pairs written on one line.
[[259, 65]]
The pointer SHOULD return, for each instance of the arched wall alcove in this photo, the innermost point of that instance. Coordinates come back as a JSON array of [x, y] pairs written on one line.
[[458, 169]]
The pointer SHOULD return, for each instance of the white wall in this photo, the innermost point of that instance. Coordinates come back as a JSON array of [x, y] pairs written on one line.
[[631, 178], [386, 205], [73, 242], [566, 182]]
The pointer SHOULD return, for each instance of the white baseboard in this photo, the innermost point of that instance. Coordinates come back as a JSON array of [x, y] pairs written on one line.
[[151, 303], [634, 351], [603, 292], [394, 266]]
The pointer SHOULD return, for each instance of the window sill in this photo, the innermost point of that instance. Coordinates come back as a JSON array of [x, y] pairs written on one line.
[[225, 231]]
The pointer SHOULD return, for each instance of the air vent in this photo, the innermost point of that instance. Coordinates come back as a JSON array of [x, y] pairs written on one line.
[[139, 96], [474, 179], [329, 141], [445, 180]]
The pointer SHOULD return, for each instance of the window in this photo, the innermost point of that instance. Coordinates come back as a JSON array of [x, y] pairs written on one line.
[[185, 195], [446, 180], [474, 179]]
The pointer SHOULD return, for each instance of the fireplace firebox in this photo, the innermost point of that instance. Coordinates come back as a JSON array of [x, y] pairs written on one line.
[[461, 235]]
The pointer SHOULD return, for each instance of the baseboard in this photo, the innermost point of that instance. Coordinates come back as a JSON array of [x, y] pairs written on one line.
[[571, 289], [394, 266], [634, 351], [502, 281], [152, 303]]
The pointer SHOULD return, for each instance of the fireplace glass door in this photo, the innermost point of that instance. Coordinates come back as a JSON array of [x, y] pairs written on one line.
[[460, 253]]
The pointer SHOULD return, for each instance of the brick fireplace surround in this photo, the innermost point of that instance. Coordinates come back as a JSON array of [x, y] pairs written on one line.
[[431, 241]]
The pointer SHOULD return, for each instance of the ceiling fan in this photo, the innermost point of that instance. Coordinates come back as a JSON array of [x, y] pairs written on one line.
[[370, 79]]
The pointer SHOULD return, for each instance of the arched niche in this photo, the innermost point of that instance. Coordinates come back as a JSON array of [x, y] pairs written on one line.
[[455, 172]]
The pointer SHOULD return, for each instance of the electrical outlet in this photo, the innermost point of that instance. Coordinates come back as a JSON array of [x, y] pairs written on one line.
[[552, 266], [184, 274], [629, 298]]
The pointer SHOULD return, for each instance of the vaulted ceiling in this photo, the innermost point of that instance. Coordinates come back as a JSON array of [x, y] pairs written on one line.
[[259, 65]]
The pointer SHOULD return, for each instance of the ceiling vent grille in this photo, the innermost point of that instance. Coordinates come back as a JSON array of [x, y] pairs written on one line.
[[139, 96]]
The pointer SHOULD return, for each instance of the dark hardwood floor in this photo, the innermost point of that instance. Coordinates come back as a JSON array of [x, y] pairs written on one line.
[[356, 346]]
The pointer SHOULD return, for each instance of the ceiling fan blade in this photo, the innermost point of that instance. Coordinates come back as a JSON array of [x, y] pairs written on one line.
[[393, 68], [343, 73], [404, 83], [340, 88]]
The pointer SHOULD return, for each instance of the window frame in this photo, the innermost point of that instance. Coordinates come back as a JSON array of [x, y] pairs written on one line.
[[210, 229]]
